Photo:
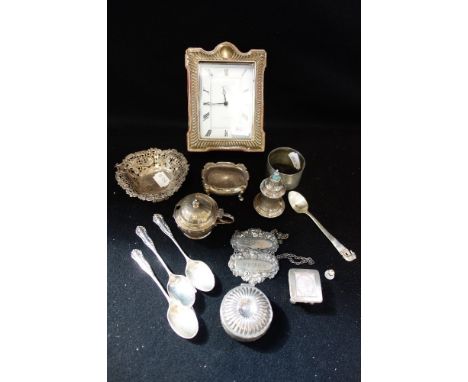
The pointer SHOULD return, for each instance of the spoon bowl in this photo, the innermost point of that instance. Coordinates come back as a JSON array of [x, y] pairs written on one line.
[[200, 275], [298, 202], [180, 288], [182, 319]]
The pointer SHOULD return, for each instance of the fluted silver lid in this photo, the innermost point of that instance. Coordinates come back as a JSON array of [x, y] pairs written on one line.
[[246, 313]]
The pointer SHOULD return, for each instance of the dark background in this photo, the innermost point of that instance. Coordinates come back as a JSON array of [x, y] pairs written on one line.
[[312, 103]]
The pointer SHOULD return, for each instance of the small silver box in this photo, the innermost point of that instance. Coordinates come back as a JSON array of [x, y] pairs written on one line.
[[305, 286]]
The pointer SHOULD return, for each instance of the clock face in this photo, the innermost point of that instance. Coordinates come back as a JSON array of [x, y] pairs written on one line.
[[227, 99]]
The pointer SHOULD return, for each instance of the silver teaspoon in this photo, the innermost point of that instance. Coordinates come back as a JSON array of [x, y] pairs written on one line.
[[300, 205], [178, 286], [181, 318], [197, 271]]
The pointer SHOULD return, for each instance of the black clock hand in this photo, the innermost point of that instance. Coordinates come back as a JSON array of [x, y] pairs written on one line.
[[224, 95], [225, 103]]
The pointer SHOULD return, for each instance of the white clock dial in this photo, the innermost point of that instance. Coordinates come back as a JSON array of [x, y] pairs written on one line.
[[227, 99]]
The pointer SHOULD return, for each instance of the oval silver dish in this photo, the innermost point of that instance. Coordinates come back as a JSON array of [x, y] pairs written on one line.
[[225, 178], [246, 313], [153, 175]]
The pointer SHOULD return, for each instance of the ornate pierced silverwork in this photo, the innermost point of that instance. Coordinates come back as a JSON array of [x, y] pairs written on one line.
[[253, 259], [257, 240], [253, 267], [153, 175]]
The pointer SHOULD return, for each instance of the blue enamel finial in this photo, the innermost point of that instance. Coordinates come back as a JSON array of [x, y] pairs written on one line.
[[276, 176]]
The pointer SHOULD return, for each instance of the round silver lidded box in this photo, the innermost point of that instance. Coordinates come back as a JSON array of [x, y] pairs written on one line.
[[246, 313]]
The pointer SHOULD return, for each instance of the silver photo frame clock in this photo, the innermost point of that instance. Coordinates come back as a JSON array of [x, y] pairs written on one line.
[[225, 99]]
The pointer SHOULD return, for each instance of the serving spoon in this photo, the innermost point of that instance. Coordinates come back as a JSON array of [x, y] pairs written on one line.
[[181, 318], [300, 205], [197, 271], [178, 286]]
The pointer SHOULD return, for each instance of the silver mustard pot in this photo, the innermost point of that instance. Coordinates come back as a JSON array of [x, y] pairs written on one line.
[[197, 214]]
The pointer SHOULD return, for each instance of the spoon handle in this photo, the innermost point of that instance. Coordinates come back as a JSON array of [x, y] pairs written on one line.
[[137, 255], [158, 219], [143, 235], [347, 254]]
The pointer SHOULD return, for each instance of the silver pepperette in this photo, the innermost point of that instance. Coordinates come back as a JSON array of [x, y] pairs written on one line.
[[269, 202]]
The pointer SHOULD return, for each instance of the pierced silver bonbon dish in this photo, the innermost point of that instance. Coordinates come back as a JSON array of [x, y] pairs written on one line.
[[153, 175]]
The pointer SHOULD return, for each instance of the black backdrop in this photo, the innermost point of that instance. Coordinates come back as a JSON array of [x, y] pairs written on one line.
[[312, 103], [313, 67]]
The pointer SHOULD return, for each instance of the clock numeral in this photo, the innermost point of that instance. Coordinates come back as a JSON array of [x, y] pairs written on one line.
[[210, 72], [245, 70], [206, 116], [226, 72], [206, 91], [225, 133], [208, 133], [246, 90]]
